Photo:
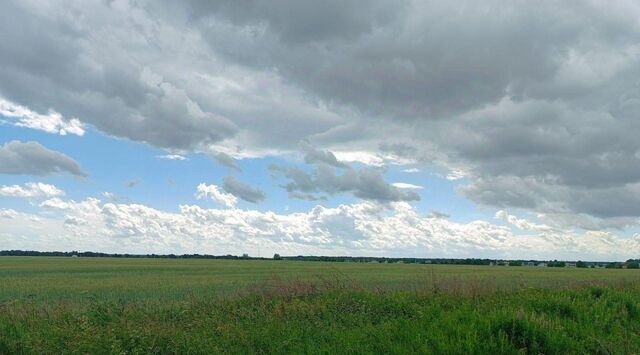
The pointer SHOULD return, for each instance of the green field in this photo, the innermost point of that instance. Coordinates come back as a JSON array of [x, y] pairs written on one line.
[[139, 306]]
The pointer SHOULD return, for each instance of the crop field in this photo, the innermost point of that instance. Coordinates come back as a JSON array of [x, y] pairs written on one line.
[[139, 306]]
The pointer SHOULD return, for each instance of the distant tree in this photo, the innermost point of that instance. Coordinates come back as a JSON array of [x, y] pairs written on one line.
[[277, 257], [633, 265], [581, 263], [245, 256], [556, 263], [515, 263]]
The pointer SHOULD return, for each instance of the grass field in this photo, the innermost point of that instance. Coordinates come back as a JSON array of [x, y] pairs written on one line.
[[139, 306]]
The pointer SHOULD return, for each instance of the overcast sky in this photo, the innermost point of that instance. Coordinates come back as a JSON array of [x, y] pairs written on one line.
[[504, 129]]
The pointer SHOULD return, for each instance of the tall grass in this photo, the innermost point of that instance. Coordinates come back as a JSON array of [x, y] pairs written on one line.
[[336, 313]]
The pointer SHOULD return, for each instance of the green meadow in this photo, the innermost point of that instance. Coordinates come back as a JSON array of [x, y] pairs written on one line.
[[183, 306]]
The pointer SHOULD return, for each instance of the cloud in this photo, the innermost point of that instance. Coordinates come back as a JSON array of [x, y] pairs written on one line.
[[52, 122], [225, 159], [508, 93], [438, 214], [404, 185], [455, 175], [366, 183], [133, 183], [315, 156], [31, 158], [242, 191], [213, 192], [8, 213], [172, 157], [366, 228], [74, 221], [521, 223], [399, 150], [30, 190]]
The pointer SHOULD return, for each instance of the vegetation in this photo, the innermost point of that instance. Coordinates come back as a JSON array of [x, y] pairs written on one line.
[[556, 263], [353, 259], [139, 306]]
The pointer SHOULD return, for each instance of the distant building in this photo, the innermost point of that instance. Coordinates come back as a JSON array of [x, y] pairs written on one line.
[[530, 263], [570, 264], [543, 264]]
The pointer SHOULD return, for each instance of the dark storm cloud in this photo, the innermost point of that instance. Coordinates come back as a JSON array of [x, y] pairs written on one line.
[[31, 158], [242, 191]]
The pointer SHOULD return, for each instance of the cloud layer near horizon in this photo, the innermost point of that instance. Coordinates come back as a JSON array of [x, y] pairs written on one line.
[[365, 228]]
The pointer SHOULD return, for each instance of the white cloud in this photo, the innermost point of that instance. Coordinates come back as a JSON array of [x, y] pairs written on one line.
[[52, 122], [8, 213], [31, 190], [56, 203], [366, 158], [404, 185], [411, 170], [456, 175], [364, 228], [214, 193], [172, 157], [521, 223]]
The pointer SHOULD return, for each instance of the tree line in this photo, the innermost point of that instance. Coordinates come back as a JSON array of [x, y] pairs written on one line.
[[630, 264]]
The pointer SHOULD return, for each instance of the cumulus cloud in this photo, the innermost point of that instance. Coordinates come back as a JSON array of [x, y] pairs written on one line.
[[213, 192], [366, 228], [242, 191], [31, 158], [521, 223], [30, 190], [8, 213], [52, 122]]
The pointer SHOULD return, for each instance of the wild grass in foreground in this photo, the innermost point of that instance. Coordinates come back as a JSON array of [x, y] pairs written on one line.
[[338, 315]]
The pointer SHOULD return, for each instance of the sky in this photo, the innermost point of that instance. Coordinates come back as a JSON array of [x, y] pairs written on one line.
[[493, 129]]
